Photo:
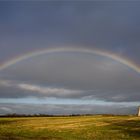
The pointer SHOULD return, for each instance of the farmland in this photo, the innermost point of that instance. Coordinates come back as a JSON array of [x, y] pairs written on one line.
[[96, 127]]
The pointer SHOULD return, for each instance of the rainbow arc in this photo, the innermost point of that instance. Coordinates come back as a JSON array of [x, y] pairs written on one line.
[[35, 53]]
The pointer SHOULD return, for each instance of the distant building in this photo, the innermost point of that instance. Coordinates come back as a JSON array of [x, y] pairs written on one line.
[[139, 111]]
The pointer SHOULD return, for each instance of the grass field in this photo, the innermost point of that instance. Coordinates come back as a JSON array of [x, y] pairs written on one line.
[[71, 128]]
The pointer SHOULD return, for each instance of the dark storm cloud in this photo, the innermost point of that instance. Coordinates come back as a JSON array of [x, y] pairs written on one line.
[[112, 26], [65, 109]]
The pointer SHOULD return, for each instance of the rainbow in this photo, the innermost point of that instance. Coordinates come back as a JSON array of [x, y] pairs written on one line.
[[110, 55]]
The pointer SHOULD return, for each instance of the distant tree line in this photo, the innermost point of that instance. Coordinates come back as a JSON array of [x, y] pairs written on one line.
[[41, 115], [47, 115]]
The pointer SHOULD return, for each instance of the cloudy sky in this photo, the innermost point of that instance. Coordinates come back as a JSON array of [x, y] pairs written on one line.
[[69, 81]]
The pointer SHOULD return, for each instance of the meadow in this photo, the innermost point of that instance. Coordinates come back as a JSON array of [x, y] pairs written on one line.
[[96, 127]]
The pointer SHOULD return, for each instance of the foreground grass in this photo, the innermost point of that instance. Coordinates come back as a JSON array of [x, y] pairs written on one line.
[[71, 128]]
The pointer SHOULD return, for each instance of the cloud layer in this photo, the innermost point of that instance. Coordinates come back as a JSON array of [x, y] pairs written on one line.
[[71, 76], [65, 109]]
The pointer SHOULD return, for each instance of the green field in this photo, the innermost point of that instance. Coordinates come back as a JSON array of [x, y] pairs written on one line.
[[71, 128]]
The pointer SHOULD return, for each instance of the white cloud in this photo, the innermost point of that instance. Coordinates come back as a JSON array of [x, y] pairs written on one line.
[[50, 91], [6, 109], [47, 90]]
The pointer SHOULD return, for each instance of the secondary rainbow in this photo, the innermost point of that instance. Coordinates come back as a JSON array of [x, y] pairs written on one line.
[[112, 56]]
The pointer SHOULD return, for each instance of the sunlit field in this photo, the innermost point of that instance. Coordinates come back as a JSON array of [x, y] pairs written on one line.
[[71, 128]]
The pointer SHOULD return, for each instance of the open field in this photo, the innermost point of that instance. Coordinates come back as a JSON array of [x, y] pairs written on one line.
[[71, 128]]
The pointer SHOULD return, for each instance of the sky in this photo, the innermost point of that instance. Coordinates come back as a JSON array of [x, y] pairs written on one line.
[[69, 82]]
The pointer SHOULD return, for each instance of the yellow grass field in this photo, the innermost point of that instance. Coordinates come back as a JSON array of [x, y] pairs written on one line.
[[96, 127]]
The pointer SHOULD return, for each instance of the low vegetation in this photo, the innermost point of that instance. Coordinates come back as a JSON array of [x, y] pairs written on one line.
[[96, 127]]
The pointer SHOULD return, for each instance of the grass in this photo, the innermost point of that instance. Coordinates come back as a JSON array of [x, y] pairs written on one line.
[[71, 128]]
